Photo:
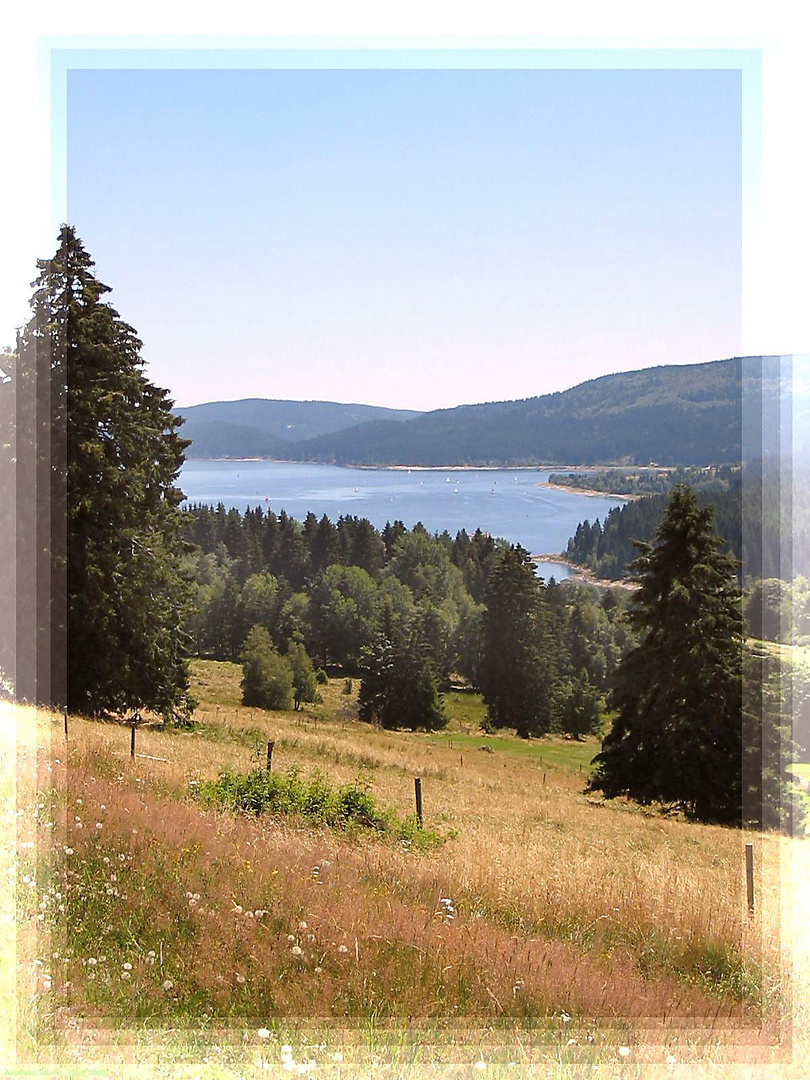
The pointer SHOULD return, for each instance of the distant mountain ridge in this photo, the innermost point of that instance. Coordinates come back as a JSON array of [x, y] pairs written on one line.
[[264, 427], [680, 414]]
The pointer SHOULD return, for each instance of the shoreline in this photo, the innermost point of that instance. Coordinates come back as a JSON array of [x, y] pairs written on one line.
[[582, 574], [591, 493], [443, 468]]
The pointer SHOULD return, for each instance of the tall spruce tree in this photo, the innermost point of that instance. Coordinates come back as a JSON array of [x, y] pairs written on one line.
[[126, 595], [517, 671], [677, 735]]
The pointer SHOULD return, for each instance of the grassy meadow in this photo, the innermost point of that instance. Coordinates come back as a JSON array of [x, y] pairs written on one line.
[[530, 927]]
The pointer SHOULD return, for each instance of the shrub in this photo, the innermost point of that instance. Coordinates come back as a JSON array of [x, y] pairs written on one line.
[[349, 806], [305, 686], [267, 678]]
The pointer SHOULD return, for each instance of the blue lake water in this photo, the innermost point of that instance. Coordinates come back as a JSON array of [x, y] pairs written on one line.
[[503, 502]]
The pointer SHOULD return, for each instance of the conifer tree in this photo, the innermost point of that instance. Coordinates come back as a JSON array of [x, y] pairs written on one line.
[[677, 735], [517, 672], [125, 593], [399, 688]]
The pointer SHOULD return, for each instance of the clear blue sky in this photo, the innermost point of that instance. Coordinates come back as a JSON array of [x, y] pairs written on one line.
[[418, 238]]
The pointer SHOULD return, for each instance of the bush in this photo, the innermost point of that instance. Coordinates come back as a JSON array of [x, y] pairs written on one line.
[[267, 678], [305, 686], [347, 807], [321, 678]]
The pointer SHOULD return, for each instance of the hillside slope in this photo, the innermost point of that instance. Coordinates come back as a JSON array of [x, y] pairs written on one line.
[[260, 427], [680, 414]]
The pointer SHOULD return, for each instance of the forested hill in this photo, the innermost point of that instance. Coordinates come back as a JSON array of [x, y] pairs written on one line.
[[261, 427], [675, 415]]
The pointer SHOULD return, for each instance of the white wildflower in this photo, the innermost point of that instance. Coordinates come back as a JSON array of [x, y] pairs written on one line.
[[263, 1033]]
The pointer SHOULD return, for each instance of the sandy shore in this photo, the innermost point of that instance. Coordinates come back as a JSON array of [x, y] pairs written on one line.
[[587, 491]]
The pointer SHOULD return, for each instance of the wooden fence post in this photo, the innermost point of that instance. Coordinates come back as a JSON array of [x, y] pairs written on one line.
[[749, 876], [270, 746], [132, 741], [66, 715], [417, 784]]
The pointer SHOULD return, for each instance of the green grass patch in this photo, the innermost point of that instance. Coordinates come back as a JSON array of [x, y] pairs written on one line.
[[465, 711], [351, 807], [551, 751]]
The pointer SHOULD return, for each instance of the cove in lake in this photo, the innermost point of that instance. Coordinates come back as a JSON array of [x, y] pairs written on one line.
[[503, 502]]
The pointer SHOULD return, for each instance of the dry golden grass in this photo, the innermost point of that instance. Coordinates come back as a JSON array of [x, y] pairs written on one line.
[[562, 904]]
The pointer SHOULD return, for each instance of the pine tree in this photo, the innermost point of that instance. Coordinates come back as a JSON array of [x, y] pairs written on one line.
[[517, 672], [677, 736], [120, 457], [399, 688]]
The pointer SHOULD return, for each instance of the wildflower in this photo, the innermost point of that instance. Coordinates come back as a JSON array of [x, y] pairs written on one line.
[[103, 807], [670, 1059], [127, 967], [68, 850], [92, 961], [564, 1017], [337, 1057], [168, 985], [318, 970], [290, 937], [342, 948], [624, 1051], [480, 1064], [297, 950], [302, 926], [126, 975], [263, 1033], [241, 980], [237, 909], [286, 1050], [98, 825]]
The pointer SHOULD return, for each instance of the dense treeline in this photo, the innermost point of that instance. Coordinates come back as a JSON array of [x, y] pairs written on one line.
[[362, 600], [648, 481], [686, 414], [752, 514]]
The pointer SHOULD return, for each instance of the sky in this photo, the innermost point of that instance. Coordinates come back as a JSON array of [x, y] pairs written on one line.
[[410, 238]]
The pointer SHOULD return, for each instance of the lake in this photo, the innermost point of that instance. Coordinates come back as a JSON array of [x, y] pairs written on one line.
[[504, 502]]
